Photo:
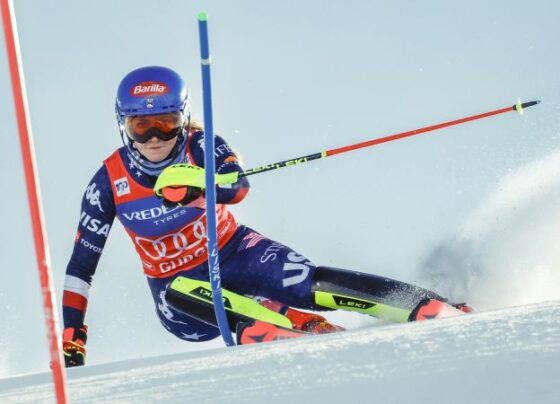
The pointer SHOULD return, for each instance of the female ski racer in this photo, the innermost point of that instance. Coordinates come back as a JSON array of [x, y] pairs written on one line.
[[153, 114]]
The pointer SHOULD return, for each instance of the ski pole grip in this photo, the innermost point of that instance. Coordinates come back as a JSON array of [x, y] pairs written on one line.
[[179, 175]]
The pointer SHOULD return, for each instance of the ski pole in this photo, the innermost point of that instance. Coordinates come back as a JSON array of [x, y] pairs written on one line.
[[173, 182], [374, 142]]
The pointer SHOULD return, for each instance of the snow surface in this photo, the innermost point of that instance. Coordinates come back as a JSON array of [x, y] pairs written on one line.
[[502, 356]]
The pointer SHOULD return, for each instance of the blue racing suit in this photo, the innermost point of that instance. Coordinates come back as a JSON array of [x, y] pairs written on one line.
[[171, 242]]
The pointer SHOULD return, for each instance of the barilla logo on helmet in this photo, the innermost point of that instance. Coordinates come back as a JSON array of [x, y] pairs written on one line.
[[149, 88]]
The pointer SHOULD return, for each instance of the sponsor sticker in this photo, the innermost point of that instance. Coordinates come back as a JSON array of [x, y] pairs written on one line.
[[351, 302], [91, 246], [92, 195], [94, 225], [122, 187], [149, 89]]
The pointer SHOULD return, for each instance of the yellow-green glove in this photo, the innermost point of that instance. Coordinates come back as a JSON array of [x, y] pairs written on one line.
[[183, 183]]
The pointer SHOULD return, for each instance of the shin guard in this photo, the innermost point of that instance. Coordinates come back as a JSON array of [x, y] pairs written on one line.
[[374, 295]]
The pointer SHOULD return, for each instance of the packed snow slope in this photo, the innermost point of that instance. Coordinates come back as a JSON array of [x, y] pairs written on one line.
[[503, 356]]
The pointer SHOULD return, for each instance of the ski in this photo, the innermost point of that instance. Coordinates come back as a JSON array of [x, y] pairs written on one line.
[[252, 322]]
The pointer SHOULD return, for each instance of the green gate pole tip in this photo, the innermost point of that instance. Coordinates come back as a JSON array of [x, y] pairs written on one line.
[[202, 16]]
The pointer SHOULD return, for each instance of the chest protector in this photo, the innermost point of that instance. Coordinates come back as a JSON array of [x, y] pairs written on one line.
[[168, 240]]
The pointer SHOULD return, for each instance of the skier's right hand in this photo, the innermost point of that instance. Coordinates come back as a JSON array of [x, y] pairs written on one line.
[[74, 346]]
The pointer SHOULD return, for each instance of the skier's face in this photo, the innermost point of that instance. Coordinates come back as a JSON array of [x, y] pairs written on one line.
[[155, 149]]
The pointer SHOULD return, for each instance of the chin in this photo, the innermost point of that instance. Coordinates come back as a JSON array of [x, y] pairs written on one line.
[[157, 159], [155, 156]]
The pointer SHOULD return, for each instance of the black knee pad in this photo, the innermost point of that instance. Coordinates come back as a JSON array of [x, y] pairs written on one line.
[[375, 295]]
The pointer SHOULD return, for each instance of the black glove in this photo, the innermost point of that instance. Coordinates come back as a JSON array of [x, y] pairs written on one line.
[[74, 346]]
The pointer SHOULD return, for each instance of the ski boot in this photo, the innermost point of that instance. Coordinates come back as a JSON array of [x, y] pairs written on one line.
[[255, 331], [311, 322], [432, 308], [303, 321]]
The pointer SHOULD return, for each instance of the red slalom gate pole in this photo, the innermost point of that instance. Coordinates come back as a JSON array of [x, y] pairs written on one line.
[[33, 193], [332, 152], [518, 107]]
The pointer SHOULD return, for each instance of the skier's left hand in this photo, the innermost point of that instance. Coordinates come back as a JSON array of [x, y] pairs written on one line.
[[187, 196]]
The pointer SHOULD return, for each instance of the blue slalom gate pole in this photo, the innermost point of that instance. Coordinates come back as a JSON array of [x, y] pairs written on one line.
[[210, 167]]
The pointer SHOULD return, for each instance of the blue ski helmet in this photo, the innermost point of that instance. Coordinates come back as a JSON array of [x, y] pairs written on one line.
[[151, 90]]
